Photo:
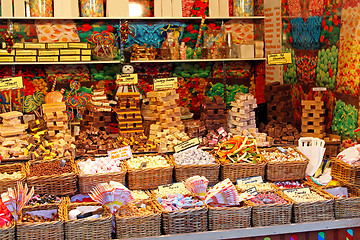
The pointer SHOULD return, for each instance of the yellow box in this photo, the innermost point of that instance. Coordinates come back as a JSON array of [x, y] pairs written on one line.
[[16, 45], [6, 58], [25, 58], [79, 45], [46, 52], [85, 51], [26, 52], [4, 52], [86, 58], [70, 58], [48, 58], [57, 45], [70, 51], [35, 45]]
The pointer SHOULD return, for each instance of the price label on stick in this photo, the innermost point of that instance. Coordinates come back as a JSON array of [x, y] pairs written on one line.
[[11, 83], [165, 83], [127, 79], [252, 191], [194, 142], [293, 192], [173, 186], [256, 179], [120, 153]]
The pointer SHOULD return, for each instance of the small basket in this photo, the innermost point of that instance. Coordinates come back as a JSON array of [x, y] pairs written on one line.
[[89, 181], [229, 217], [139, 226], [287, 170], [235, 171], [11, 168], [86, 229], [149, 178], [40, 230], [57, 184], [8, 233], [183, 172], [345, 172]]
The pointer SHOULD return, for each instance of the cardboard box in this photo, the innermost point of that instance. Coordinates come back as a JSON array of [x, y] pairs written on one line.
[[166, 8], [6, 58], [26, 52], [57, 45], [214, 8], [19, 8], [18, 45], [47, 52], [224, 8], [34, 45], [48, 58], [70, 58], [177, 8], [85, 51], [78, 45], [117, 8], [6, 8], [86, 58], [25, 58], [157, 8], [4, 52], [73, 51]]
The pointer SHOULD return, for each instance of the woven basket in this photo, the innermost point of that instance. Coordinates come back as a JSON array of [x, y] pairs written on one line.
[[287, 170], [40, 230], [11, 168], [89, 181], [139, 226], [183, 172], [271, 214], [8, 233], [57, 184], [345, 172], [229, 217], [86, 229], [235, 171], [149, 178]]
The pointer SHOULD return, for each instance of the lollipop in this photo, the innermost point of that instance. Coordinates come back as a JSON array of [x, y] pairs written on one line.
[[29, 104], [75, 85], [79, 115], [70, 115]]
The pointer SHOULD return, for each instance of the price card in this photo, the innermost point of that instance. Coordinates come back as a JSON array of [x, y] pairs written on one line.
[[127, 79], [120, 153], [194, 142], [11, 83], [279, 58], [251, 191], [256, 179], [173, 186], [165, 83], [319, 89], [293, 192]]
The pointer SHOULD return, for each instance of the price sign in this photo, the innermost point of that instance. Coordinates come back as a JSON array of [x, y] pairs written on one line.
[[127, 79], [174, 186], [194, 142], [297, 191], [11, 83], [256, 179], [165, 83], [120, 153], [279, 58], [252, 191], [319, 89]]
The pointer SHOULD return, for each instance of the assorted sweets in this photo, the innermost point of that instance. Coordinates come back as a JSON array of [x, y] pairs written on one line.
[[42, 199], [267, 198], [147, 161], [99, 165], [194, 157], [283, 155], [50, 168]]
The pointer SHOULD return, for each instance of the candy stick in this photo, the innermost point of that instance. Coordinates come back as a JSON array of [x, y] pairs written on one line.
[[199, 36]]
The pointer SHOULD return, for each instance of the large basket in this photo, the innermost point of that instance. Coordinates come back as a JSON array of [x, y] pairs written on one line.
[[139, 226], [287, 170], [8, 233], [86, 229], [40, 230], [149, 178], [271, 214], [210, 171], [229, 217], [89, 181], [11, 168], [345, 172], [57, 184]]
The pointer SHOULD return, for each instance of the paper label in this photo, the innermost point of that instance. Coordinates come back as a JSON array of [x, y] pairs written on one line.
[[319, 89], [279, 58], [120, 153], [256, 179], [11, 83], [194, 142], [179, 185], [165, 83], [127, 79], [293, 192], [252, 191]]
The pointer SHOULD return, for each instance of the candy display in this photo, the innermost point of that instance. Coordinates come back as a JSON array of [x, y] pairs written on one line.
[[260, 187], [195, 128], [104, 46], [350, 155], [313, 120], [213, 113], [99, 165], [131, 210], [231, 90], [5, 214], [66, 73], [45, 216], [290, 69], [289, 184], [43, 199], [310, 197], [50, 168], [222, 194], [138, 142], [175, 202], [139, 195], [345, 119], [147, 161], [92, 8], [56, 30], [41, 8], [194, 157], [326, 70], [282, 155], [281, 133], [267, 198], [11, 176], [197, 185]]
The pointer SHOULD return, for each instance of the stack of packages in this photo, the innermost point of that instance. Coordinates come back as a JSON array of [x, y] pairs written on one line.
[[169, 129]]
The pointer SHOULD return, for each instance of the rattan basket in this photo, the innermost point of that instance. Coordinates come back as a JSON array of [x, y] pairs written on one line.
[[57, 184], [86, 229], [11, 168], [183, 172], [8, 233], [89, 181], [345, 172], [286, 170], [229, 217], [149, 178], [40, 230], [139, 226]]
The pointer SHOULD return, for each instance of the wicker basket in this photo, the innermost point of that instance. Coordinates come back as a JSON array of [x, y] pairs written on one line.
[[271, 214], [345, 172], [210, 171], [86, 229], [11, 168], [89, 181], [139, 226], [287, 170], [40, 230], [149, 178], [57, 184], [8, 233], [229, 217]]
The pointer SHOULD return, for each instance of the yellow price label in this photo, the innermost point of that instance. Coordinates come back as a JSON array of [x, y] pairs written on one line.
[[165, 83], [127, 79], [11, 83], [279, 58]]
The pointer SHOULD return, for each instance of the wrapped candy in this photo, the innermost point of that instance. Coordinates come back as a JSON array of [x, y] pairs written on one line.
[[197, 185], [222, 194]]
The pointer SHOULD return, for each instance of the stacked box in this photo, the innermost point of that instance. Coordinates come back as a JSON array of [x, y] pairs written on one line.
[[55, 118], [213, 113], [313, 119], [242, 114], [279, 103], [128, 113]]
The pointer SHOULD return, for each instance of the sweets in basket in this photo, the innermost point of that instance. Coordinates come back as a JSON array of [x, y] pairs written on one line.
[[10, 174], [5, 216]]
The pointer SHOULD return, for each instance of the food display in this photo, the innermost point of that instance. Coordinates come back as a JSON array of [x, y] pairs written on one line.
[[289, 184], [50, 168], [194, 157], [283, 155], [11, 176], [138, 142], [282, 133], [6, 218], [309, 197], [44, 199], [177, 201], [132, 210], [139, 195], [260, 187], [267, 198], [40, 216], [213, 112], [147, 161], [99, 165]]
